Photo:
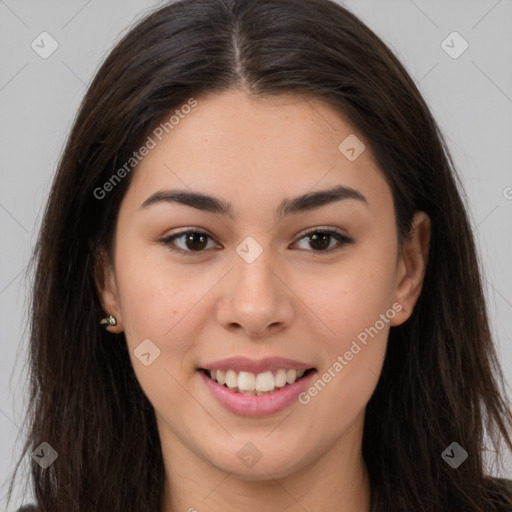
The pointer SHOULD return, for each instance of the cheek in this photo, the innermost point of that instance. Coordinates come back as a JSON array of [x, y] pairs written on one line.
[[155, 305], [359, 306], [164, 302], [162, 307], [353, 298]]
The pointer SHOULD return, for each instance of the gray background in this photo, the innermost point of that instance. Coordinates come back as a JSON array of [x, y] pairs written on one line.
[[470, 96]]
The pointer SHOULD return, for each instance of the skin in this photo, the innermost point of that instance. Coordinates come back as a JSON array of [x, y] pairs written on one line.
[[293, 301]]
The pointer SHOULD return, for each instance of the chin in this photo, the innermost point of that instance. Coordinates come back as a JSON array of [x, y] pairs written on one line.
[[251, 464]]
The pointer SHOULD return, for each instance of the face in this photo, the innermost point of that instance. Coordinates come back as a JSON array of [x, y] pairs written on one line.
[[273, 291]]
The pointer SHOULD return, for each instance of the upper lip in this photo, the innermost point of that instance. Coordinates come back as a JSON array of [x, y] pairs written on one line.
[[242, 363]]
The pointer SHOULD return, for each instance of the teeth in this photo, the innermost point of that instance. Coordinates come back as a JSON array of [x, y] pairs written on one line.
[[221, 377], [280, 379], [246, 381], [231, 379], [291, 376], [265, 382], [249, 383]]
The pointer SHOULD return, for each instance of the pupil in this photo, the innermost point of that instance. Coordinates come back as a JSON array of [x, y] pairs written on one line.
[[323, 244], [190, 241]]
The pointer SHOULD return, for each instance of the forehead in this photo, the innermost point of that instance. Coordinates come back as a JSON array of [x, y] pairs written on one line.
[[264, 147]]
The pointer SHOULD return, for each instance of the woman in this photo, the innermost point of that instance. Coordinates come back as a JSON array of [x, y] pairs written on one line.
[[256, 284]]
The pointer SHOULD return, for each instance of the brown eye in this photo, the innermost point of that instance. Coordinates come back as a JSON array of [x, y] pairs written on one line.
[[196, 242], [320, 240], [192, 241]]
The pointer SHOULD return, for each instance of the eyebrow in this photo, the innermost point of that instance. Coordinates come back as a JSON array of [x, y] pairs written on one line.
[[212, 204]]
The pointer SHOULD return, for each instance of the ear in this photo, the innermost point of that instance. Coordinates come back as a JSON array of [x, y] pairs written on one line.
[[106, 287], [412, 266]]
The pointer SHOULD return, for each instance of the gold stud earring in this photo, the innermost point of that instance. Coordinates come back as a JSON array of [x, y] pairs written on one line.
[[109, 321]]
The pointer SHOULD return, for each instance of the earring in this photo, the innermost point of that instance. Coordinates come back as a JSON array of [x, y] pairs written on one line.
[[109, 321]]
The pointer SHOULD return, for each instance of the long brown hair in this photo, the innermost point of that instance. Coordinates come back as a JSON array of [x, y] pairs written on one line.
[[441, 381]]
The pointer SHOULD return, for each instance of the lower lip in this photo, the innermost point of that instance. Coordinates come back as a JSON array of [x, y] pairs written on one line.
[[254, 406]]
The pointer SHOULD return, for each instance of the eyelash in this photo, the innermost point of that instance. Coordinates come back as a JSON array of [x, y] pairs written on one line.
[[344, 240]]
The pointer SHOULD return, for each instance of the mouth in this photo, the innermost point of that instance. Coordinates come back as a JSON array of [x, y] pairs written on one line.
[[258, 384], [255, 388]]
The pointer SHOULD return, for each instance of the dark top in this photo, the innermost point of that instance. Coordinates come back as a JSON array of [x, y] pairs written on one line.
[[32, 508]]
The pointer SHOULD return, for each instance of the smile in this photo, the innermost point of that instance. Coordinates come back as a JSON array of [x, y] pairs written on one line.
[[263, 383], [252, 388]]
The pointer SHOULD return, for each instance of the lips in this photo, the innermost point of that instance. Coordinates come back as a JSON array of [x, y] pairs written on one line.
[[255, 388], [256, 366]]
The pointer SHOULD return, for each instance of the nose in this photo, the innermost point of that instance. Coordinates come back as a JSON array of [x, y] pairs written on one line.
[[256, 297]]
